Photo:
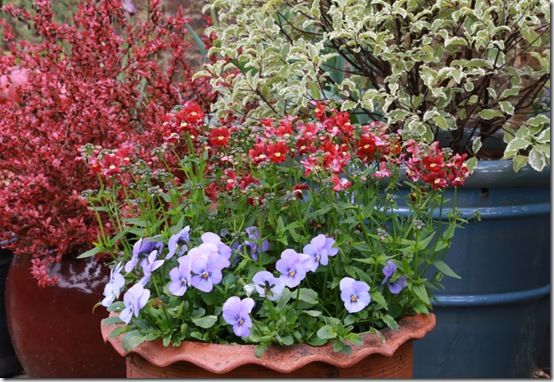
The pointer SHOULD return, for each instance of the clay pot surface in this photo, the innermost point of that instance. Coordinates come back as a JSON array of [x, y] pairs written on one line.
[[389, 359], [54, 330]]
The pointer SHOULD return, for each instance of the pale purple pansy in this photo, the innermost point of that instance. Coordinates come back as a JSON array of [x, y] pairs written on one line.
[[236, 312], [222, 248], [254, 243], [134, 299], [180, 277], [177, 243], [141, 248], [149, 265], [112, 290], [268, 285], [354, 294], [293, 267], [206, 266], [320, 248], [397, 285]]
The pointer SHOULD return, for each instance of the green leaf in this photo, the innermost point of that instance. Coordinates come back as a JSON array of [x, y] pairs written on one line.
[[517, 144], [476, 145], [537, 160], [488, 114], [132, 339], [327, 332], [313, 313], [445, 269], [390, 321], [421, 292], [118, 331], [205, 322], [379, 299], [111, 321], [308, 296], [260, 349], [116, 307], [519, 162], [89, 253], [507, 107]]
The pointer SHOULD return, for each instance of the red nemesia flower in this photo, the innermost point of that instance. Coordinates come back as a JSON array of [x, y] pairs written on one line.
[[340, 184], [258, 153], [277, 152], [219, 136]]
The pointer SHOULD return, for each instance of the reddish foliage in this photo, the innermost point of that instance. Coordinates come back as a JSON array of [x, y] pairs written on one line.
[[103, 80]]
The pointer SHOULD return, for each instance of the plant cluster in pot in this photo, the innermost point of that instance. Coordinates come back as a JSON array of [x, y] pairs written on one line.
[[258, 252], [83, 81], [469, 73]]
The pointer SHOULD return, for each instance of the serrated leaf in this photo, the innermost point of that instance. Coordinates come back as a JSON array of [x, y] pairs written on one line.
[[445, 269], [519, 161], [517, 144], [537, 160], [507, 107], [205, 322]]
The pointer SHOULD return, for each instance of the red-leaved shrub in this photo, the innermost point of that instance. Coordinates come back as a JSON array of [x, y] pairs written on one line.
[[103, 79]]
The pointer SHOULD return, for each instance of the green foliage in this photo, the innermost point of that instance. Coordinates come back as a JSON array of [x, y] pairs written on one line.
[[423, 66]]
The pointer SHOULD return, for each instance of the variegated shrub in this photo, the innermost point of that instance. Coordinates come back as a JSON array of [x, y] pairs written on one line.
[[472, 68]]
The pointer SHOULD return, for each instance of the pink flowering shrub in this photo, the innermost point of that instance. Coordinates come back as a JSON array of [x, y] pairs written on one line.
[[105, 79]]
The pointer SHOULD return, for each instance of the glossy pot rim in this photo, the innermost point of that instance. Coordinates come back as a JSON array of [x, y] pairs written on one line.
[[222, 358]]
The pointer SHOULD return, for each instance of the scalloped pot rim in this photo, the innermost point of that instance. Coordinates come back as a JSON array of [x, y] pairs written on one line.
[[223, 358]]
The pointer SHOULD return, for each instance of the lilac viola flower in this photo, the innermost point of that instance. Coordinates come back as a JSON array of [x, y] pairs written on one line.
[[396, 286], [320, 248], [112, 290], [255, 236], [178, 243], [180, 277], [236, 312], [149, 265], [293, 267], [354, 294], [140, 249], [268, 285], [206, 266], [222, 248], [134, 299]]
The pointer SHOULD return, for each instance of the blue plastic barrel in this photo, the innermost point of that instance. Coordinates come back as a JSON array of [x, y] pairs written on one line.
[[495, 321]]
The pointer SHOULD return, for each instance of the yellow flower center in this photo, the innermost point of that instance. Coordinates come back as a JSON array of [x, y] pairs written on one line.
[[354, 298], [221, 137], [277, 154], [205, 275], [366, 147], [291, 273]]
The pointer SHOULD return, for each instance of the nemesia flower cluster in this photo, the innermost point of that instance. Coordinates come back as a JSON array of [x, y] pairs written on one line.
[[104, 79], [284, 232]]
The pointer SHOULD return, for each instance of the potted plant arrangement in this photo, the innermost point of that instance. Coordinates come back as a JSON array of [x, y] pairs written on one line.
[[269, 250], [100, 78], [471, 74]]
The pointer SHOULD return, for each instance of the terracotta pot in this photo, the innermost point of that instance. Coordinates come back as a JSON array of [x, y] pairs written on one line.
[[53, 329], [374, 359]]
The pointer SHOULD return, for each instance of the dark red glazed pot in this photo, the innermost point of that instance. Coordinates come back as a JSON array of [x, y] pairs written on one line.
[[53, 330], [391, 358]]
